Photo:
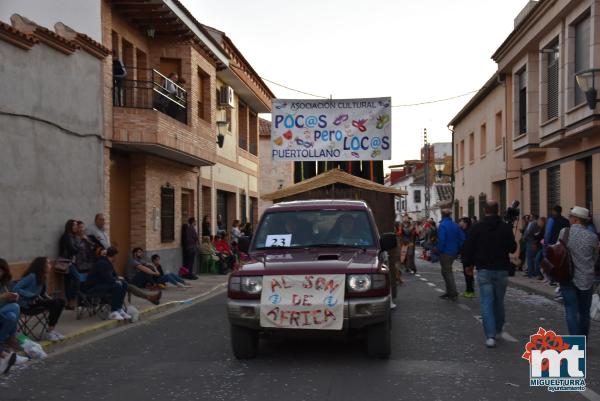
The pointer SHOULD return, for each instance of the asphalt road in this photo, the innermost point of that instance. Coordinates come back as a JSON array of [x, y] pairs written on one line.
[[438, 354]]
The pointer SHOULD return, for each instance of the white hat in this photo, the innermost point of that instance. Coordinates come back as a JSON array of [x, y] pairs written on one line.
[[581, 212]]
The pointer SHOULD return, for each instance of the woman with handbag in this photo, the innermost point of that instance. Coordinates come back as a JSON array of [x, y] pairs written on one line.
[[32, 293], [68, 251]]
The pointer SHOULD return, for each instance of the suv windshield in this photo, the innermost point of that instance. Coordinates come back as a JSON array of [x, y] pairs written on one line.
[[315, 228]]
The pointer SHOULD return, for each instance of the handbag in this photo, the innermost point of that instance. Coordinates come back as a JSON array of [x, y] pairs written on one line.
[[61, 265], [557, 263]]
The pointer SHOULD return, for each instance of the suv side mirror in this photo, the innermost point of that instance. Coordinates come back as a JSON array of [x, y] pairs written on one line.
[[388, 241]]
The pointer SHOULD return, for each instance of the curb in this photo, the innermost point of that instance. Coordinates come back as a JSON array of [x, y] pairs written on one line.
[[529, 289], [109, 324]]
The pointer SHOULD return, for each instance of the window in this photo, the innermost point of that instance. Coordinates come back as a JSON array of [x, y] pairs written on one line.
[[204, 95], [553, 187], [243, 215], [167, 214], [243, 126], [522, 82], [482, 203], [483, 140], [417, 195], [552, 84], [588, 183], [534, 192], [471, 146], [253, 134], [461, 154], [456, 155], [471, 206], [498, 129], [457, 210], [582, 54]]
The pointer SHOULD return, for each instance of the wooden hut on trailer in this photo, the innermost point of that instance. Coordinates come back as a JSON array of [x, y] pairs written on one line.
[[337, 184]]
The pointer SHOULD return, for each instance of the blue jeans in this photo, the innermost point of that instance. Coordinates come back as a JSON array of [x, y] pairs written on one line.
[[9, 316], [492, 287], [73, 280], [116, 290], [538, 262], [577, 308], [170, 278]]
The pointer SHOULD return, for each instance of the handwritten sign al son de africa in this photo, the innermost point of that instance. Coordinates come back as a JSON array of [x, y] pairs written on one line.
[[313, 302]]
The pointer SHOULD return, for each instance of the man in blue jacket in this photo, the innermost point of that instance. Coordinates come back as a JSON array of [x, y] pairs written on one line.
[[449, 243]]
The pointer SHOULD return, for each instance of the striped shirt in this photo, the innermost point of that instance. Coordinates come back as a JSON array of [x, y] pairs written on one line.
[[583, 247]]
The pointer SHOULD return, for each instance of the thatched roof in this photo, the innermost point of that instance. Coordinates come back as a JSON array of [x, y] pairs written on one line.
[[328, 178]]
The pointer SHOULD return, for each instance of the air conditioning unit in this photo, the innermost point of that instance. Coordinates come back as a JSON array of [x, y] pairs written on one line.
[[226, 99]]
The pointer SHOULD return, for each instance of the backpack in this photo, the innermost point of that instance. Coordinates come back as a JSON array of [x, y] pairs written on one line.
[[557, 263]]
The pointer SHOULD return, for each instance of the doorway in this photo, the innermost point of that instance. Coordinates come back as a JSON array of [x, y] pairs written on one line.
[[120, 207], [187, 205]]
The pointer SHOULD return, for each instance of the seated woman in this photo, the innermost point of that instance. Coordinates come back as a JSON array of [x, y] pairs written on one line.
[[163, 278], [68, 249], [32, 293], [224, 252], [102, 279], [9, 310]]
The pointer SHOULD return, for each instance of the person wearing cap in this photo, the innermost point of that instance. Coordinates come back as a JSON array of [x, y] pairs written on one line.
[[577, 293]]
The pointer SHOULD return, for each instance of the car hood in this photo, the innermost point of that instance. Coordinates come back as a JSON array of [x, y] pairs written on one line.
[[321, 261]]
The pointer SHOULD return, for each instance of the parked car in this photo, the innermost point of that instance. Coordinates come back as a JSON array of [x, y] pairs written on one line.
[[314, 266]]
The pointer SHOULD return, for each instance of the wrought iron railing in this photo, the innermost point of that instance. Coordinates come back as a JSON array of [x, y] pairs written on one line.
[[151, 90]]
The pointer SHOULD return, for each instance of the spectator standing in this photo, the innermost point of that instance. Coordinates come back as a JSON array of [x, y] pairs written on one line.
[[119, 75], [206, 226], [190, 246], [539, 237], [236, 233], [220, 223], [407, 235], [86, 250], [468, 270], [488, 247], [577, 293], [531, 245], [449, 243], [68, 249], [248, 230], [9, 309], [32, 293], [555, 223], [103, 279], [96, 232]]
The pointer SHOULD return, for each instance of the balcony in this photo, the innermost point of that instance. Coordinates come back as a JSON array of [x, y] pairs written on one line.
[[157, 92], [150, 115]]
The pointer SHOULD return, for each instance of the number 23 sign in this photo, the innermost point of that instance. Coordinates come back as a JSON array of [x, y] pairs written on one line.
[[278, 240]]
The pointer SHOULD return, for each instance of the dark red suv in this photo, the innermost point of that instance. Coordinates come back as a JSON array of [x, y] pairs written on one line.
[[316, 266]]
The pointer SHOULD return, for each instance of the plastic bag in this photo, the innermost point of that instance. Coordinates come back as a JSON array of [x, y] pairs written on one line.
[[31, 348], [134, 313], [595, 309]]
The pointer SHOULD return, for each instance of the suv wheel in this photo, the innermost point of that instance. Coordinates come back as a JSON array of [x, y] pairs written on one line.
[[379, 340], [244, 342]]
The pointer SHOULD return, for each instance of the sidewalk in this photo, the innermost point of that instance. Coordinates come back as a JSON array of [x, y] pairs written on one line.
[[73, 329]]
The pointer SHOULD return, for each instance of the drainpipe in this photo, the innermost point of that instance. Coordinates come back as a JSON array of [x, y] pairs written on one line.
[[451, 129]]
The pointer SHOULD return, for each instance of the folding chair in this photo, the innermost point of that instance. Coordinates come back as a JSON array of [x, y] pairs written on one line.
[[33, 319]]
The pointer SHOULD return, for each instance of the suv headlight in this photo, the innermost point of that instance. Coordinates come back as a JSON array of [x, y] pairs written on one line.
[[359, 282], [252, 284]]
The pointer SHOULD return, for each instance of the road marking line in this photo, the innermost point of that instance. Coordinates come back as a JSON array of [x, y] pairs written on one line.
[[431, 284], [464, 307], [440, 290], [506, 336], [478, 318], [422, 279], [418, 275], [590, 395]]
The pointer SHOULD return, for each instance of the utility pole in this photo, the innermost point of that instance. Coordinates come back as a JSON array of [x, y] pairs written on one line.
[[426, 171]]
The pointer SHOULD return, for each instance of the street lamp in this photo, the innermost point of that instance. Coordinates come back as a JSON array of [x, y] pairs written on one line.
[[586, 80], [439, 166], [221, 125]]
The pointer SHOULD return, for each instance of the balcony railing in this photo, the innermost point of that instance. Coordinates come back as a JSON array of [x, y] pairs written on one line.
[[152, 90]]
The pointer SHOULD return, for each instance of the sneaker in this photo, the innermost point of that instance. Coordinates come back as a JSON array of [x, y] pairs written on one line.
[[7, 362], [124, 314], [57, 334], [51, 336], [490, 342], [468, 294], [115, 316], [444, 296], [21, 360]]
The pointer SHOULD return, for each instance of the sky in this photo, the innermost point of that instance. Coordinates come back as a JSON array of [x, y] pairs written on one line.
[[413, 51]]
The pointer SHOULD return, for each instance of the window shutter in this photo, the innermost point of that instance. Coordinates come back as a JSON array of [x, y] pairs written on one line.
[[167, 214]]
